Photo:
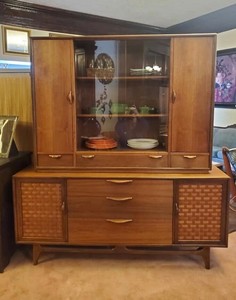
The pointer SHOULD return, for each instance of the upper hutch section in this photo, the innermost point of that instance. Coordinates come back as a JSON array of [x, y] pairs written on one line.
[[140, 102]]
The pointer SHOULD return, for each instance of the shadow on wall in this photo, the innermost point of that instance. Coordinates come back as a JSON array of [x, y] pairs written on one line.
[[24, 136]]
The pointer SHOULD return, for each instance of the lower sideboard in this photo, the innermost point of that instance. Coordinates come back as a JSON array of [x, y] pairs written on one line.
[[121, 213]]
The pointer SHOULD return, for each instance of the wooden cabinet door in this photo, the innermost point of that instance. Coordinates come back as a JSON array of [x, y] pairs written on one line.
[[53, 85], [201, 212], [40, 210], [193, 71]]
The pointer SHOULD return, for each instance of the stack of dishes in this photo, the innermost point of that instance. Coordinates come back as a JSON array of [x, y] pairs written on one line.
[[101, 143], [142, 143]]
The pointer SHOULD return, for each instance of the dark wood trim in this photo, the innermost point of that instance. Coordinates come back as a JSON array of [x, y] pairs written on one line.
[[17, 13]]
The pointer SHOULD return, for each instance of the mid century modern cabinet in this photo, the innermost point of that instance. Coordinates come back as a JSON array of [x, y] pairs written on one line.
[[122, 150]]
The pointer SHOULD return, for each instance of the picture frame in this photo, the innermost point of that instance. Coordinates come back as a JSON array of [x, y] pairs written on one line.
[[15, 40], [7, 130], [225, 79]]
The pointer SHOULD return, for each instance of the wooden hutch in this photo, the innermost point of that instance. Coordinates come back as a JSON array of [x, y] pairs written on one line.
[[122, 149]]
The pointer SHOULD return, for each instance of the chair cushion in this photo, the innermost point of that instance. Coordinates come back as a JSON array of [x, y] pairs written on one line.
[[219, 154], [215, 151]]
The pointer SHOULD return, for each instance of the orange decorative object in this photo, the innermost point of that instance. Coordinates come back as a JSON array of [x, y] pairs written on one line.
[[103, 143]]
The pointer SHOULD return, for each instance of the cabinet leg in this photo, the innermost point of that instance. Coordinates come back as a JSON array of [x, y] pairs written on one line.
[[36, 253], [206, 257], [204, 252]]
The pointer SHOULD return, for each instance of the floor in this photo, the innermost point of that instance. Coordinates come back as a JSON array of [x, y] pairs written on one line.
[[73, 276]]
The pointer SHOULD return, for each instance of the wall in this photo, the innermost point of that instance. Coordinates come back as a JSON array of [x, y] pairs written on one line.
[[225, 116], [15, 99]]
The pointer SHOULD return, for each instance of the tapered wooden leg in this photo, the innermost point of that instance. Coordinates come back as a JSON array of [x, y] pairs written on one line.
[[36, 253], [206, 257], [204, 252]]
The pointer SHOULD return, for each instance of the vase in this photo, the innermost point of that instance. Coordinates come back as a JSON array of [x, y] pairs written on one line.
[[124, 129], [91, 127]]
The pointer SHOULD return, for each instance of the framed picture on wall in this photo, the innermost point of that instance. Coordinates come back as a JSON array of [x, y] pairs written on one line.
[[15, 41], [7, 130], [225, 80]]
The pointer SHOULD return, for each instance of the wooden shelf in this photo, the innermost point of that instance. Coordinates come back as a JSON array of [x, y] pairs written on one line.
[[121, 115], [147, 77]]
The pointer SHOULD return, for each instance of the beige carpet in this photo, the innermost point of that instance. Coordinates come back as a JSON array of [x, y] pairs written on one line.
[[100, 277]]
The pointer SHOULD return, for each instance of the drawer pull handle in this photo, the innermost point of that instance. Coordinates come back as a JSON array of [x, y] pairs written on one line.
[[176, 207], [173, 96], [88, 156], [155, 156], [70, 97], [190, 156], [119, 181], [119, 198], [119, 221], [54, 156], [63, 206]]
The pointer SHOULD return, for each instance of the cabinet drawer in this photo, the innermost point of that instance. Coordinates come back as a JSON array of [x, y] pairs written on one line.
[[136, 212], [117, 187], [134, 232], [151, 160], [90, 197], [55, 160], [190, 161]]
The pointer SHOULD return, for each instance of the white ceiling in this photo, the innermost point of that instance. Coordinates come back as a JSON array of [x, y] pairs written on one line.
[[161, 13]]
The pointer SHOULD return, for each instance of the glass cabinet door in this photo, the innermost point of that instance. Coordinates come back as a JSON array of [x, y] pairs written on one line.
[[122, 91]]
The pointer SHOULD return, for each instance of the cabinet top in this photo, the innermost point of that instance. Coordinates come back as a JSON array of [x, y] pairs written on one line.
[[126, 36], [215, 173]]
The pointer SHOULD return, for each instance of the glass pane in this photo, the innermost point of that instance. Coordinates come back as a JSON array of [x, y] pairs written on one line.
[[122, 91]]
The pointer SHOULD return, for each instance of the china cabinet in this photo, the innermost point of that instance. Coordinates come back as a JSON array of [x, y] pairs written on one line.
[[122, 150], [123, 102]]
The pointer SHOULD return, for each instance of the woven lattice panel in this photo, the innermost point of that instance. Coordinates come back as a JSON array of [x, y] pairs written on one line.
[[42, 210], [199, 212]]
